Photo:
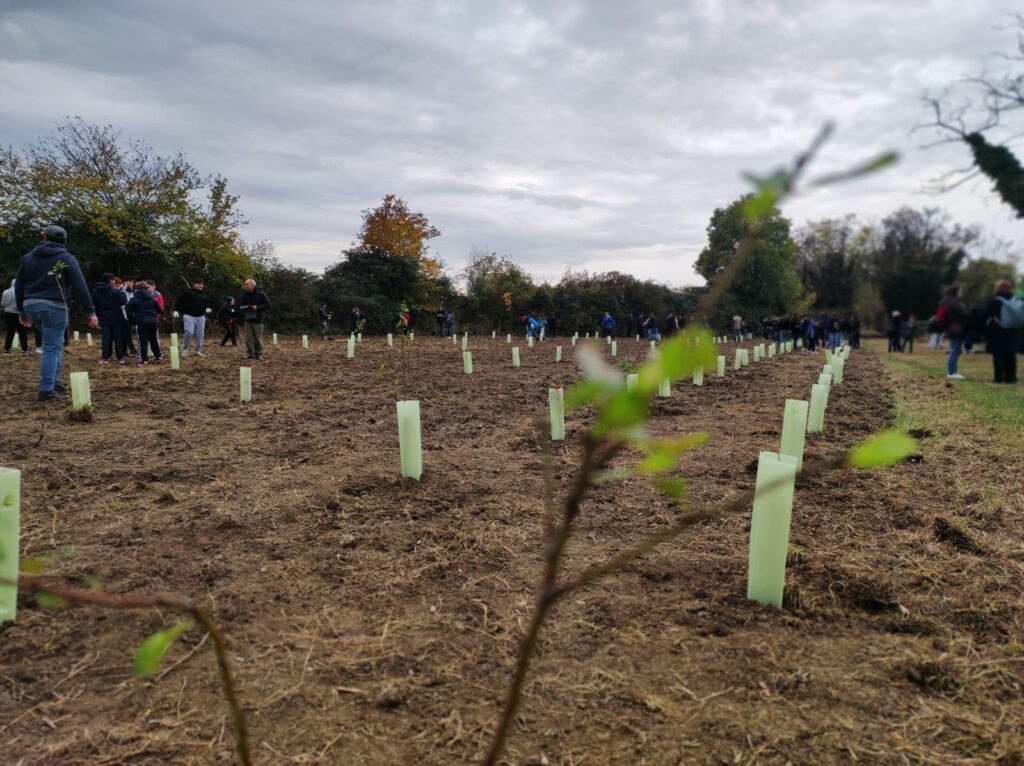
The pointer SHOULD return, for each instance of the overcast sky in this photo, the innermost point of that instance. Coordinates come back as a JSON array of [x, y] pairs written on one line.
[[566, 134]]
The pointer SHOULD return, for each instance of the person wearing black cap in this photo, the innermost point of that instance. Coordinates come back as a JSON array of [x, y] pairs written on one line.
[[47, 278]]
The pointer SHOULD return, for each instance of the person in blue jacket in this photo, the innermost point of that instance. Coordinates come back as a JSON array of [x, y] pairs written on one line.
[[48, 278], [607, 325], [109, 302], [144, 312]]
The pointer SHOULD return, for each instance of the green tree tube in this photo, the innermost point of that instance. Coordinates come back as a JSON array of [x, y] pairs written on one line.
[[794, 426], [665, 388], [350, 350], [838, 363], [467, 362], [494, 334], [174, 339], [746, 357], [556, 409], [412, 336], [771, 351], [305, 341], [76, 336], [799, 343], [10, 529], [739, 359], [826, 380], [637, 338], [359, 337], [721, 366], [81, 396], [409, 446], [88, 339], [588, 336], [769, 528], [816, 414], [391, 340], [274, 338], [175, 358], [245, 384], [573, 340], [698, 376], [654, 346], [465, 342], [558, 353], [515, 356], [632, 381], [529, 342], [827, 369], [757, 353], [608, 340], [508, 338], [615, 348]]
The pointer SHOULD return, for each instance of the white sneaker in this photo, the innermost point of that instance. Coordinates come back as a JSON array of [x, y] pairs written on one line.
[[39, 351], [200, 354], [184, 353], [956, 376]]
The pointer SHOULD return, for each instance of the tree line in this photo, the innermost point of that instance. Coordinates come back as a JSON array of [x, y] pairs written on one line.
[[132, 211]]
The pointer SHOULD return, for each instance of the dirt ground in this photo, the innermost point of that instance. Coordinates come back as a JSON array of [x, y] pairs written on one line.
[[374, 620]]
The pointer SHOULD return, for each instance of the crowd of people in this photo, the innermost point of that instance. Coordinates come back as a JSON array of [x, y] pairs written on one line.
[[124, 309], [50, 281]]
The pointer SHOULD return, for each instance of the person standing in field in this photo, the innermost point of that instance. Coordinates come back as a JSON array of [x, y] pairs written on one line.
[[895, 332], [47, 279], [1004, 317], [110, 303], [955, 320], [193, 307], [324, 314], [127, 333], [254, 306], [228, 319], [358, 320], [607, 325], [909, 333], [145, 313], [404, 319], [13, 322]]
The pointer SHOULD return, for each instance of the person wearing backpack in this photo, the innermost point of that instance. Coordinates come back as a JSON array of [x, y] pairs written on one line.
[[1004, 318], [955, 320]]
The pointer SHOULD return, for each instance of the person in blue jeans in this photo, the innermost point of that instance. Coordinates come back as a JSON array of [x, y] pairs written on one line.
[[48, 277], [957, 321]]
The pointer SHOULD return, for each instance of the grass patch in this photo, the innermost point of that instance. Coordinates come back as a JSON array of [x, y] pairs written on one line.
[[998, 406]]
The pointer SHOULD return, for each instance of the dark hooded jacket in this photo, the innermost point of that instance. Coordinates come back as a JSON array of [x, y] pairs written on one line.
[[143, 308], [108, 301], [34, 280], [192, 302]]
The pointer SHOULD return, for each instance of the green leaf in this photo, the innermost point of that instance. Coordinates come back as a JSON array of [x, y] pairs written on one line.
[[586, 392], [624, 409], [152, 650], [49, 601], [882, 449], [873, 165], [664, 455], [673, 487]]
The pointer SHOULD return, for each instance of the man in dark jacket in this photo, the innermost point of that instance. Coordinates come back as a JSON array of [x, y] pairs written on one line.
[[47, 278], [193, 308], [1001, 342], [144, 312], [254, 307], [109, 302]]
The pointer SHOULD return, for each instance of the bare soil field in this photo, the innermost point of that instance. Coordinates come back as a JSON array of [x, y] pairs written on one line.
[[374, 620]]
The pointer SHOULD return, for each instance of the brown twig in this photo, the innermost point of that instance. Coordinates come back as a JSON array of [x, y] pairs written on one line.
[[595, 455], [73, 595]]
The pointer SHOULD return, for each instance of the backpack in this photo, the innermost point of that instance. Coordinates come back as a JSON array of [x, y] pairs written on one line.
[[1011, 316], [942, 317]]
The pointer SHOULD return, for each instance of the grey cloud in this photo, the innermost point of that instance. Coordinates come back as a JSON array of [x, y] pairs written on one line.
[[571, 134]]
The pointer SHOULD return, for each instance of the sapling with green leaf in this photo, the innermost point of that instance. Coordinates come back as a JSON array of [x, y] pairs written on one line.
[[620, 414]]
